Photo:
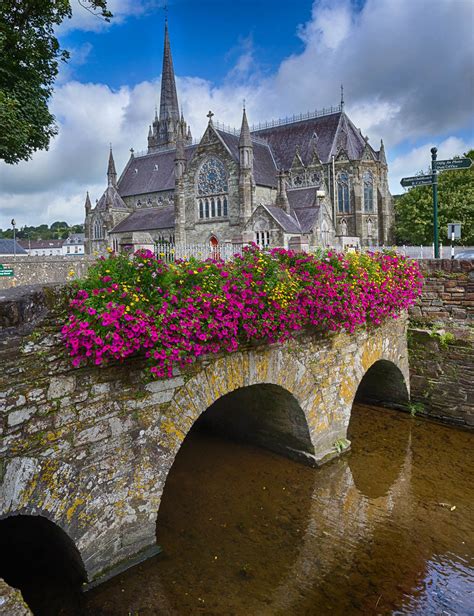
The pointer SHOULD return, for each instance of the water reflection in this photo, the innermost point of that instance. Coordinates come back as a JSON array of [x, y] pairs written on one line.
[[248, 532], [386, 529]]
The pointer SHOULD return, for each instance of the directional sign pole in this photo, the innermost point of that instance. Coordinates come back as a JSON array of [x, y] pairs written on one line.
[[434, 152]]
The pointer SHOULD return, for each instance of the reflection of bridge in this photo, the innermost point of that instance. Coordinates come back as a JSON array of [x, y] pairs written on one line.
[[87, 451]]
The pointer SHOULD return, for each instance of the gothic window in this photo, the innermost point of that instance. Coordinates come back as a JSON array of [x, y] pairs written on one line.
[[212, 183], [262, 238], [343, 195], [212, 177], [97, 230], [315, 179], [368, 192], [298, 181]]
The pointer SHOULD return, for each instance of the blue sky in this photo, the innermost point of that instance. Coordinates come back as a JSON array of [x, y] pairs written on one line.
[[406, 65]]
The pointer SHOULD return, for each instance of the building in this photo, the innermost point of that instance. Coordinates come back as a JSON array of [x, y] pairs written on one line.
[[43, 248], [73, 245], [305, 181], [11, 248]]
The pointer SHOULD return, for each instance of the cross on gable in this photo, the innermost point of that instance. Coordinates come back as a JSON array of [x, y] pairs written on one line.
[[209, 115]]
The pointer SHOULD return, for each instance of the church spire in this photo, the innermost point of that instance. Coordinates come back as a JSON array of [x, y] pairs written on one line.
[[169, 98], [245, 141], [111, 173]]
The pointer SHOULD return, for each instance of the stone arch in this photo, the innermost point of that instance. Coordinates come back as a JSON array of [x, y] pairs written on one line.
[[36, 552], [383, 384]]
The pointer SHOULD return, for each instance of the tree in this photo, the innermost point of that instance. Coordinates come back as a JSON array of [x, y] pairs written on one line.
[[414, 209], [29, 60]]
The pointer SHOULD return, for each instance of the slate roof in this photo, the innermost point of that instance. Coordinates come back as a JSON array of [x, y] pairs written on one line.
[[302, 197], [327, 134], [288, 223], [112, 199], [147, 219], [75, 238], [43, 244], [264, 168], [7, 247], [150, 173], [306, 218]]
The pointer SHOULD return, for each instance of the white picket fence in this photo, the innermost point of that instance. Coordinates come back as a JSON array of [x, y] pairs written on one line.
[[226, 251]]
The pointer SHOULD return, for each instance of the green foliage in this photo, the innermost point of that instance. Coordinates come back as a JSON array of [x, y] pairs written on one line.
[[415, 408], [414, 209], [444, 338], [29, 61], [57, 231]]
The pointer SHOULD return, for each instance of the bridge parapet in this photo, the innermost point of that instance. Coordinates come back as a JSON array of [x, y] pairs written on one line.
[[90, 448]]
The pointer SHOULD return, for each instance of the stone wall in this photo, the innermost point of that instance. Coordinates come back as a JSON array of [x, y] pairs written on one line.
[[442, 376], [448, 292], [11, 601], [440, 343], [43, 270], [90, 448]]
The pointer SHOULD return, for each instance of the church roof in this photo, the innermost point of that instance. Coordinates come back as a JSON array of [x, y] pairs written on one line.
[[302, 197], [327, 134], [288, 223], [147, 219], [264, 168], [306, 217], [111, 199], [150, 173]]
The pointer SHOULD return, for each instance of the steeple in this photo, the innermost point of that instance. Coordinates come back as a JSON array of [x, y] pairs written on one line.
[[245, 141], [168, 125], [169, 98], [111, 173], [88, 204]]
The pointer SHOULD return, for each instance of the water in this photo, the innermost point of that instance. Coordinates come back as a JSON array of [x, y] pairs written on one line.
[[386, 529]]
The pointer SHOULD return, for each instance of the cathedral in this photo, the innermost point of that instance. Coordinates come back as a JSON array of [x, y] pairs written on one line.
[[300, 182]]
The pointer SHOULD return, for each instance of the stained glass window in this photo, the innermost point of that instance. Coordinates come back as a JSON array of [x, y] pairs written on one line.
[[343, 198], [212, 177], [368, 192]]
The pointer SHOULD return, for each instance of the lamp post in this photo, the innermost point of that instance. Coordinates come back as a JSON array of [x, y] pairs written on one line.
[[14, 237]]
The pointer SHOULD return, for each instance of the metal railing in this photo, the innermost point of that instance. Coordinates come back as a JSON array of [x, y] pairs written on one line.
[[174, 252], [309, 115]]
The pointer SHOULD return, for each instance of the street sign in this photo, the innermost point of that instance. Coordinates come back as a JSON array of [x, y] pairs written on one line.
[[454, 230], [5, 271], [417, 180], [453, 163]]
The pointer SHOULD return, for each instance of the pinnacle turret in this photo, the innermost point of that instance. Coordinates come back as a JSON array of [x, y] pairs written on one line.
[[111, 173], [245, 140]]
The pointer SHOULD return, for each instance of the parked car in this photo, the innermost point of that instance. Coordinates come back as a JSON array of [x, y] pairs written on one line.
[[467, 255]]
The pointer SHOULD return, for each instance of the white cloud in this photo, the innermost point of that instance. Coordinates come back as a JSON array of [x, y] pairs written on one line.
[[419, 159], [406, 68]]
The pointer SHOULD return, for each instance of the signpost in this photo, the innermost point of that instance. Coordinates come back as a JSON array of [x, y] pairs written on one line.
[[6, 271], [453, 163], [416, 180], [424, 180]]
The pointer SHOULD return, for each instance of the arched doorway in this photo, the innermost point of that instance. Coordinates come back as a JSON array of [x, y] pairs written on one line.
[[214, 246], [40, 559]]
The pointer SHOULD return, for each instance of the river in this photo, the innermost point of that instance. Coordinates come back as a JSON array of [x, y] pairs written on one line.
[[385, 529]]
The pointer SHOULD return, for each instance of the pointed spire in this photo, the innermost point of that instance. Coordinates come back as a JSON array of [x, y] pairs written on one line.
[[111, 173], [245, 140], [88, 204], [169, 97], [342, 97], [382, 158]]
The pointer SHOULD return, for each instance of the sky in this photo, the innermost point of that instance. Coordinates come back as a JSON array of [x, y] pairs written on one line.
[[407, 67]]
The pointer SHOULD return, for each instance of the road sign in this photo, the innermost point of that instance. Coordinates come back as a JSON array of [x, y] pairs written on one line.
[[416, 180], [5, 271], [453, 163], [454, 230]]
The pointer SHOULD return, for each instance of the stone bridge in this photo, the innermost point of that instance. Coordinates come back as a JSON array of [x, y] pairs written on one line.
[[85, 452]]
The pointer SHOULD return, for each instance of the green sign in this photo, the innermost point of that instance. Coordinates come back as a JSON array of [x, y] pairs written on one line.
[[6, 271], [416, 180], [453, 163]]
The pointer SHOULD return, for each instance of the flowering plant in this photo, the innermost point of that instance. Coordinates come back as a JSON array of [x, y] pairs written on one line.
[[175, 313]]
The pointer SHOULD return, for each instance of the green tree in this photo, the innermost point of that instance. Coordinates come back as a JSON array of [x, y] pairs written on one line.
[[414, 209], [29, 60]]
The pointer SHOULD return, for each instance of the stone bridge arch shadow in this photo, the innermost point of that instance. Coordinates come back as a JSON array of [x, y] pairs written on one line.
[[38, 557], [384, 384]]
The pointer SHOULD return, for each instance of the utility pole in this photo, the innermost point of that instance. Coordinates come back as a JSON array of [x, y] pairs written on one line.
[[434, 152], [14, 237]]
